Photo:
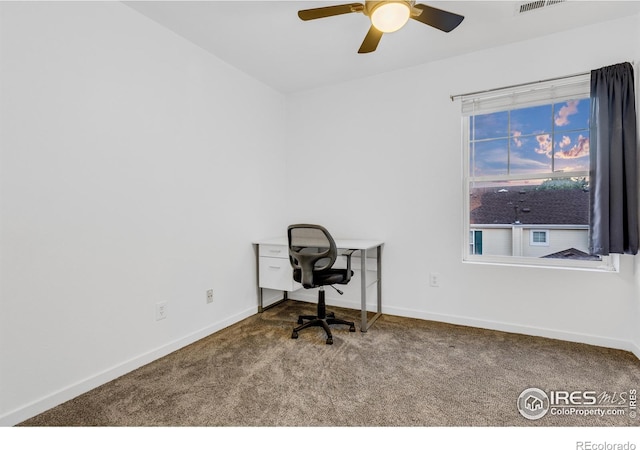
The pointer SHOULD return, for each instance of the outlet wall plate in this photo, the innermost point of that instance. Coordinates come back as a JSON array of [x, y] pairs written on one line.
[[161, 310]]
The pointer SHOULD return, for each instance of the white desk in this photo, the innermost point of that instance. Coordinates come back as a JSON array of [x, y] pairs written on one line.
[[275, 272]]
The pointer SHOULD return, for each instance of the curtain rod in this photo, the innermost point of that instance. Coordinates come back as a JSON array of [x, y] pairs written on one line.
[[453, 97]]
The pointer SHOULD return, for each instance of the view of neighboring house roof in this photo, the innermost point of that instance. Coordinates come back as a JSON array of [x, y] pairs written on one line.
[[572, 253], [529, 205]]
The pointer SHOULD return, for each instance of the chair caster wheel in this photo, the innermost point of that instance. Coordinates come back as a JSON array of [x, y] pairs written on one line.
[[329, 341], [294, 335], [300, 321], [352, 328]]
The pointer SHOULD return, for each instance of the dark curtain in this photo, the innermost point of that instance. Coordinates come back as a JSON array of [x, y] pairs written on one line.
[[613, 151]]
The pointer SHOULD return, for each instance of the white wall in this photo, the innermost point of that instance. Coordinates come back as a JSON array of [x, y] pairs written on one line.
[[392, 146], [136, 168]]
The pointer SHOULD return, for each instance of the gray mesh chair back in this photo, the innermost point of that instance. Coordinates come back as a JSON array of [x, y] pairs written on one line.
[[311, 250]]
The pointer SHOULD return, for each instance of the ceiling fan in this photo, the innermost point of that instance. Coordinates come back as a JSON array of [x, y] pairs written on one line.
[[387, 16]]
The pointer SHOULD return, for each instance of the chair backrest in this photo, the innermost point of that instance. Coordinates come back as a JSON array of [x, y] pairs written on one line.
[[311, 249]]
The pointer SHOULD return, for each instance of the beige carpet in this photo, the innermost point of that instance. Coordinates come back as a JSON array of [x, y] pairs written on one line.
[[403, 372]]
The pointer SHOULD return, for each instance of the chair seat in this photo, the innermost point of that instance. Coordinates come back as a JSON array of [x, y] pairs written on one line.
[[325, 277]]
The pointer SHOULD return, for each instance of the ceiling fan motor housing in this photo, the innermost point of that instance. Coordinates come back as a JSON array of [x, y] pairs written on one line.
[[389, 15], [372, 5]]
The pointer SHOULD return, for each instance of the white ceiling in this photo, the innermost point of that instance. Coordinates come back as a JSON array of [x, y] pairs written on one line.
[[267, 40]]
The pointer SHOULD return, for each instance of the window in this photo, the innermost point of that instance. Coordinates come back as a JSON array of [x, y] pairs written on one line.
[[526, 154], [475, 242], [539, 237]]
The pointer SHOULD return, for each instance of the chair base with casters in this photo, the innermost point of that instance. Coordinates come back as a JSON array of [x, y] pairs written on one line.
[[322, 319]]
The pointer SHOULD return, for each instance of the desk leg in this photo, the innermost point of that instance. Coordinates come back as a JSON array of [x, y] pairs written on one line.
[[363, 291], [256, 249], [379, 274], [262, 308], [365, 324]]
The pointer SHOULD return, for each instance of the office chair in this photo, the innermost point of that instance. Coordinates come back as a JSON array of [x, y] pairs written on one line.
[[312, 253]]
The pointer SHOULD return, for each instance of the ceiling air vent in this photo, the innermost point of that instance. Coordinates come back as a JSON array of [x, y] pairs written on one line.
[[532, 6]]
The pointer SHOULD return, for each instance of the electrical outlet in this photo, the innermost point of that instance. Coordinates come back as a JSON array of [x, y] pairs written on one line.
[[210, 296], [161, 310], [434, 279]]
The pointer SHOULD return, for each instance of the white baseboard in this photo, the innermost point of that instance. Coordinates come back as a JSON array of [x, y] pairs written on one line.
[[56, 398], [635, 349], [582, 338]]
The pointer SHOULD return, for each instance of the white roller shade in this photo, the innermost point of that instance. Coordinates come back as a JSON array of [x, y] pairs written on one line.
[[533, 94]]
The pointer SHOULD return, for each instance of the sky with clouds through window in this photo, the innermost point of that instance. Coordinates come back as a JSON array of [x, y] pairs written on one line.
[[537, 139]]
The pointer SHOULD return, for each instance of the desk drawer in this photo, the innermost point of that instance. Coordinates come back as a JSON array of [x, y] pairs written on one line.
[[274, 251], [276, 273]]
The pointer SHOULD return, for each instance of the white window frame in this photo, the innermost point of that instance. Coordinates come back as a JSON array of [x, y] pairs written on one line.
[[521, 96]]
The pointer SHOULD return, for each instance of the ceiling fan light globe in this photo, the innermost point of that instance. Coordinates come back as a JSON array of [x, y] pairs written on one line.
[[390, 16]]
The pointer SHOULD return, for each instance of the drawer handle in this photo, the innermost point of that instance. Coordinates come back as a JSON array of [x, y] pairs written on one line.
[[275, 251], [274, 267]]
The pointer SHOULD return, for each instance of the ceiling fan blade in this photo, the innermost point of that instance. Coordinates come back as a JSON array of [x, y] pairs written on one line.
[[437, 18], [371, 40], [328, 11]]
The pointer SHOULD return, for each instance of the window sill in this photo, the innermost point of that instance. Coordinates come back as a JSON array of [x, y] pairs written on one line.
[[610, 265]]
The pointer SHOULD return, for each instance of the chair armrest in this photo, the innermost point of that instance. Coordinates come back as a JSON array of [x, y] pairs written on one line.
[[348, 254]]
